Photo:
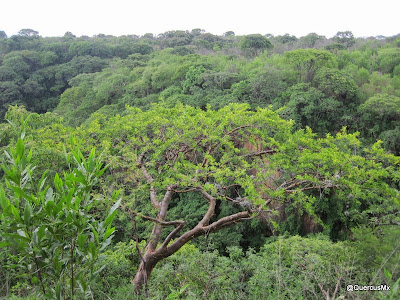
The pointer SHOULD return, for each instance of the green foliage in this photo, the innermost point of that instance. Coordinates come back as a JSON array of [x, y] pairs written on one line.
[[388, 59], [381, 114], [309, 106], [307, 61], [117, 266], [302, 268], [345, 38], [200, 275], [331, 184], [311, 40], [337, 85], [51, 236], [362, 76], [287, 267], [255, 44]]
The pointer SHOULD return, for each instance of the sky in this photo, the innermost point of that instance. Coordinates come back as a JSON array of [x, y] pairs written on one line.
[[122, 17]]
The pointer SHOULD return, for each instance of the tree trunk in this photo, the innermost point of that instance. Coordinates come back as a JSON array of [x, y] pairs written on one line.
[[152, 255], [141, 279], [154, 252]]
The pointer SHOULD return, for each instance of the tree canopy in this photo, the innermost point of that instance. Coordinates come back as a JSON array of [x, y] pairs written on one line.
[[253, 166]]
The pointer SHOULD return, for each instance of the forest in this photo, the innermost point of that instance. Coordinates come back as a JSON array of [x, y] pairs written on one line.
[[188, 165]]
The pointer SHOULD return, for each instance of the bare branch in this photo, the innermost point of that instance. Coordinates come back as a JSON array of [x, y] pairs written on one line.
[[153, 197], [161, 216], [172, 234], [163, 223], [242, 202], [202, 230], [318, 187], [150, 180], [187, 190], [226, 221], [326, 293], [286, 182], [336, 288], [259, 153], [211, 208], [232, 185], [165, 201], [293, 184]]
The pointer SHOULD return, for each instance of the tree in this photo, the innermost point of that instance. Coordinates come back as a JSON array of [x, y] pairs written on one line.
[[69, 35], [286, 39], [379, 114], [176, 38], [309, 106], [261, 88], [50, 234], [345, 38], [389, 59], [229, 33], [255, 44], [307, 61], [9, 94], [28, 32], [310, 40], [197, 31], [337, 84], [3, 35], [250, 161]]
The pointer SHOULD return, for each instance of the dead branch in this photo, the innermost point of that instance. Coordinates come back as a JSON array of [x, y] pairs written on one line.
[[259, 153]]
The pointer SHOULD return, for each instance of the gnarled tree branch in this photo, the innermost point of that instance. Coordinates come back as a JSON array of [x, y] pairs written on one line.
[[150, 180]]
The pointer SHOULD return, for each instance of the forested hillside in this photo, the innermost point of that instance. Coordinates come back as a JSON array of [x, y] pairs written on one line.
[[199, 166]]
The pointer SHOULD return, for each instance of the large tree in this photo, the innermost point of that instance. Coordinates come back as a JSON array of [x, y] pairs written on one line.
[[250, 160]]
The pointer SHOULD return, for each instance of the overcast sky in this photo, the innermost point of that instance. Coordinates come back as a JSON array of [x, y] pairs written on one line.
[[120, 17]]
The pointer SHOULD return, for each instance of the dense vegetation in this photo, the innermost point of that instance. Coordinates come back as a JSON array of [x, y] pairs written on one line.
[[231, 167]]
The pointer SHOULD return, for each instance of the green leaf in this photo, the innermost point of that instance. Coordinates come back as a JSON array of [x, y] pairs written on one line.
[[388, 275], [112, 213], [49, 207], [106, 243], [20, 148], [15, 213], [41, 232], [4, 244], [93, 250], [58, 291], [58, 183], [81, 240], [95, 233], [109, 232], [4, 202], [42, 181], [27, 214]]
